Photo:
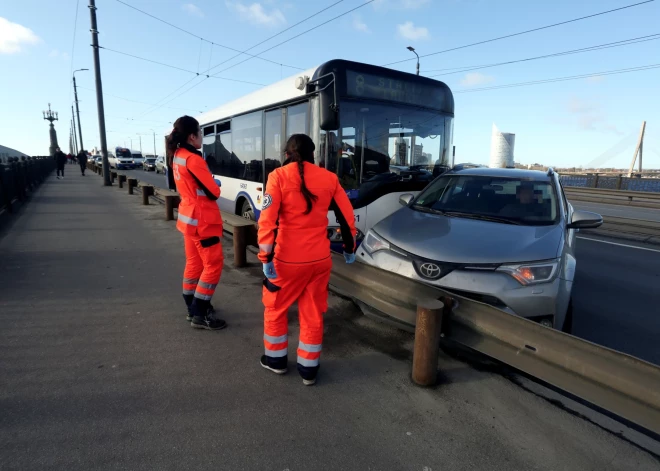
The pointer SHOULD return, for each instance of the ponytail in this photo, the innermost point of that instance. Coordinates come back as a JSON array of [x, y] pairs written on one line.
[[300, 149], [183, 127]]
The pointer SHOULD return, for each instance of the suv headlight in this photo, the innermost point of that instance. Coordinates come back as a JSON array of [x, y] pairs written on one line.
[[373, 242], [532, 273]]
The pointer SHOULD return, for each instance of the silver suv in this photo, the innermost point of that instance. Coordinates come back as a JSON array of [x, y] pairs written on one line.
[[504, 237]]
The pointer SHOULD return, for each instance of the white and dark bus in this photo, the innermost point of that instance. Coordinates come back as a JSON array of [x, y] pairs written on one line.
[[382, 131]]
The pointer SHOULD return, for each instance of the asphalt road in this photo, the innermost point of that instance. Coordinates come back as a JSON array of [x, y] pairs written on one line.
[[100, 371], [153, 178], [616, 296], [632, 212]]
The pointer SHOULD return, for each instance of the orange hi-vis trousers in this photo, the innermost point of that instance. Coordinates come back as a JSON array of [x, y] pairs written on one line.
[[306, 283], [204, 261]]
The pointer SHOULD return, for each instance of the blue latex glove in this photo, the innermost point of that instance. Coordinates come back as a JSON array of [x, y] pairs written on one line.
[[269, 270], [349, 257], [217, 182]]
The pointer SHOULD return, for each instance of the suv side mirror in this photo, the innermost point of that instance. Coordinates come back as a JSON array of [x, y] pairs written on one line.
[[405, 199], [585, 220]]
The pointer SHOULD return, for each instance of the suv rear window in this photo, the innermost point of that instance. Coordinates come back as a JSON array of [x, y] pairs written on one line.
[[528, 202]]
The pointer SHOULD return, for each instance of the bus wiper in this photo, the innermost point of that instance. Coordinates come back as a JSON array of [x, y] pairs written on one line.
[[483, 217]]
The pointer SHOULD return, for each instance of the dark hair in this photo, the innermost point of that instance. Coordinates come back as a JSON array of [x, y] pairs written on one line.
[[183, 127], [299, 149]]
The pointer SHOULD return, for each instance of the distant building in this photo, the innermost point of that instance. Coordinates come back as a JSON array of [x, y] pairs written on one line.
[[401, 150]]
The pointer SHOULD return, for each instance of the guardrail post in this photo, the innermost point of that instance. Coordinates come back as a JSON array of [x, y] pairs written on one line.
[[596, 180], [427, 342], [132, 183], [121, 179], [619, 181], [171, 202], [113, 177], [240, 246], [147, 191]]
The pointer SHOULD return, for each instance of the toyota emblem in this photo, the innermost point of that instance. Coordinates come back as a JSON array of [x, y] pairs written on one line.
[[430, 270]]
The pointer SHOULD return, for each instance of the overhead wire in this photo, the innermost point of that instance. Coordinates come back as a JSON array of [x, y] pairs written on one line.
[[213, 43], [561, 79], [626, 42], [253, 56], [133, 101], [524, 32], [177, 68]]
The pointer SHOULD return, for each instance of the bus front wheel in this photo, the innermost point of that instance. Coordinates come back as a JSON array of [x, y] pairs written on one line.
[[247, 212]]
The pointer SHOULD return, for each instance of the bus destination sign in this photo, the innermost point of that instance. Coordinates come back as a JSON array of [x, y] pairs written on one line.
[[361, 85]]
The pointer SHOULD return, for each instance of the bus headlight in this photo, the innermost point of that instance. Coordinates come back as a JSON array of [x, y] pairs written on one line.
[[373, 242]]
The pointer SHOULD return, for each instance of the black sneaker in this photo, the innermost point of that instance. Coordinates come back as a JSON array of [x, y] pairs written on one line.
[[189, 317], [208, 323], [264, 363], [309, 382], [210, 312]]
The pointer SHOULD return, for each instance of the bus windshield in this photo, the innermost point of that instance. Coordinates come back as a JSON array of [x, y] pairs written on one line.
[[124, 153], [377, 138]]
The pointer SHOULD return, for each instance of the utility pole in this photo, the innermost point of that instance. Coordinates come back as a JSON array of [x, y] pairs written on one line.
[[73, 123], [75, 93], [99, 92], [155, 155], [140, 143], [638, 150], [52, 116]]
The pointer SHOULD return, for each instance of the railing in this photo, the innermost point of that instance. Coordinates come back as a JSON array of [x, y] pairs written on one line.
[[612, 182], [642, 199], [20, 176]]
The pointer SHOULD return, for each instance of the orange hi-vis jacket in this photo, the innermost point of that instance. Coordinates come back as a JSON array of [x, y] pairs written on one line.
[[303, 238], [199, 214]]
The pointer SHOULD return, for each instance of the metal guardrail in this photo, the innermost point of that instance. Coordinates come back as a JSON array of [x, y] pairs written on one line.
[[622, 384], [639, 199], [20, 176], [611, 182]]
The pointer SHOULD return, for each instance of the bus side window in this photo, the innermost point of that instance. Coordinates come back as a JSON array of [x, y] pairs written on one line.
[[273, 141], [247, 159], [296, 119], [220, 164]]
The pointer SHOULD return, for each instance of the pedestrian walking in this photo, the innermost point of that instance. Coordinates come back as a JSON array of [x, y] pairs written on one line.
[[200, 222], [295, 251], [60, 161], [82, 161]]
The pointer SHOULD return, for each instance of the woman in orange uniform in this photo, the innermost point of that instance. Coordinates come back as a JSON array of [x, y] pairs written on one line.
[[295, 251], [200, 222]]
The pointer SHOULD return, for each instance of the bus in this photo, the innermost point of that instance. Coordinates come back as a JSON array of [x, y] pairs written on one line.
[[382, 131]]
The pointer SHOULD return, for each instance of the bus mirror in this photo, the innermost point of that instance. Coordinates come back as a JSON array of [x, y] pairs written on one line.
[[329, 116]]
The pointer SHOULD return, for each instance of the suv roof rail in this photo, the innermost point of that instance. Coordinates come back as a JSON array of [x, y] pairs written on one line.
[[551, 171], [467, 165]]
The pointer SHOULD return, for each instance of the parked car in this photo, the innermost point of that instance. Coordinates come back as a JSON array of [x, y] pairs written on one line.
[[98, 161], [504, 237], [161, 165], [149, 164]]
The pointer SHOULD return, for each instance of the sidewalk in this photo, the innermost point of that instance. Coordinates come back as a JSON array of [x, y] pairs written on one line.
[[100, 370]]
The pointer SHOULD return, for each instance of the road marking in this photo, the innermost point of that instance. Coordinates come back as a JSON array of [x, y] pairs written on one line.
[[620, 245]]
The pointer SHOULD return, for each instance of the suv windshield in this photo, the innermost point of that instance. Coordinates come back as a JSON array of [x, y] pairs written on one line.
[[506, 200], [124, 154], [376, 139]]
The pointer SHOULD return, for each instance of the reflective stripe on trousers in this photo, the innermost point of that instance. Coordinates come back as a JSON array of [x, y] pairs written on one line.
[[276, 346], [309, 354]]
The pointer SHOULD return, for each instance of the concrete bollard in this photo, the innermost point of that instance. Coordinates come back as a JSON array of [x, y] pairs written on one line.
[[147, 191], [171, 202], [113, 177], [121, 178], [427, 342], [240, 246], [132, 183]]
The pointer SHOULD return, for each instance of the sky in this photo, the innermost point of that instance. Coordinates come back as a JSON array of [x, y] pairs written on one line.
[[588, 121]]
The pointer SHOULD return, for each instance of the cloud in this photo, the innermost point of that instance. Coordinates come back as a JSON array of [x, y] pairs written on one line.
[[400, 4], [192, 9], [58, 54], [360, 25], [475, 78], [257, 14], [13, 36], [589, 116], [409, 31]]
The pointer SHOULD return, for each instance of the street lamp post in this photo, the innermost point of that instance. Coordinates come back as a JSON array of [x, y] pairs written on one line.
[[75, 93], [412, 49], [154, 132]]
